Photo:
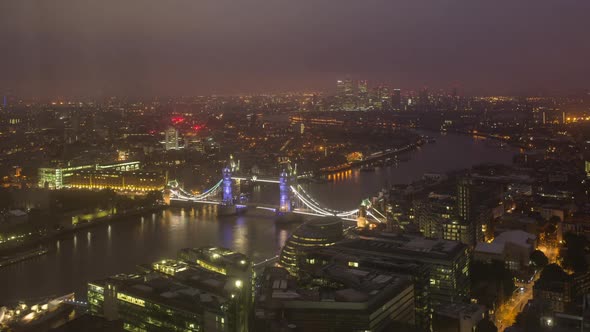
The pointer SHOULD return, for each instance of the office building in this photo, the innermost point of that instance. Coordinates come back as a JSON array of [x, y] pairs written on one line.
[[54, 177], [334, 298], [173, 295], [124, 176], [448, 261], [459, 230], [457, 317], [396, 99], [319, 232], [464, 199], [432, 213], [60, 177], [382, 97], [220, 260], [475, 202], [438, 268], [345, 94], [348, 88], [340, 89], [513, 248], [363, 94], [133, 181], [171, 139], [438, 217]]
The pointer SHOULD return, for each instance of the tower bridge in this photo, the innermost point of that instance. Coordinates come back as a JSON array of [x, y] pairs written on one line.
[[293, 199]]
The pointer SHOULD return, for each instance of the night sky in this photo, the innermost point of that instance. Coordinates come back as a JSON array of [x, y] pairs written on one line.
[[192, 47]]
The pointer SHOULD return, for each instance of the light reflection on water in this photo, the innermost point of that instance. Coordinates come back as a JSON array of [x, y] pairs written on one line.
[[120, 246]]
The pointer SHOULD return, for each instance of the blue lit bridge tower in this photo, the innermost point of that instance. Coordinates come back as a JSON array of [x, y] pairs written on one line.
[[228, 198], [228, 206], [285, 211], [285, 193]]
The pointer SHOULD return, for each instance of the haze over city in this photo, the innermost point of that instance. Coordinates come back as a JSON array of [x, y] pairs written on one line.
[[295, 166], [180, 47]]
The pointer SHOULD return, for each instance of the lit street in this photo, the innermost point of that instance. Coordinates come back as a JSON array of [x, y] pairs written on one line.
[[506, 314]]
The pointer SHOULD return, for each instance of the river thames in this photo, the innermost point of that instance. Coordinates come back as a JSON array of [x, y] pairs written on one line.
[[117, 248]]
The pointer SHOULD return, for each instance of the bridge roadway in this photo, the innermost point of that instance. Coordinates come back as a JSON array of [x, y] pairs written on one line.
[[309, 206], [262, 206]]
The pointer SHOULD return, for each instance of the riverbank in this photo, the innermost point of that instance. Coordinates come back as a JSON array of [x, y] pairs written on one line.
[[376, 157], [24, 247], [12, 259], [481, 135]]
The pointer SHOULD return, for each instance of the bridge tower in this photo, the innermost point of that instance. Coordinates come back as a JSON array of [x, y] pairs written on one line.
[[284, 192], [361, 220], [228, 198]]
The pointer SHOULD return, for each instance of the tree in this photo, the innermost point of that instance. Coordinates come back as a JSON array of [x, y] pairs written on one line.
[[491, 283], [485, 325], [529, 321], [5, 199], [539, 259], [552, 273], [574, 253]]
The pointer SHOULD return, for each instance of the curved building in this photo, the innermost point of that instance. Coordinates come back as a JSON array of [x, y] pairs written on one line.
[[318, 232]]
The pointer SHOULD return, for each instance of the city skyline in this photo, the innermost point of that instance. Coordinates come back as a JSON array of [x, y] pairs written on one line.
[[288, 166], [69, 48]]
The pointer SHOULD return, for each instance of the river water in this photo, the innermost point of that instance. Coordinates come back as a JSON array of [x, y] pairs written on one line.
[[117, 248]]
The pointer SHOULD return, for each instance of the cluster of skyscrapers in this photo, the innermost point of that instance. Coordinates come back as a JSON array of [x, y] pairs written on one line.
[[351, 96]]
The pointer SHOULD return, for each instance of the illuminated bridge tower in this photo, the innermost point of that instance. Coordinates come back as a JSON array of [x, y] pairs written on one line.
[[285, 193], [285, 211], [228, 198], [361, 220], [228, 206]]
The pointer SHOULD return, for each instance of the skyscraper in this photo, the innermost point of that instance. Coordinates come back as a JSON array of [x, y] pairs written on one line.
[[340, 88], [348, 88], [363, 94], [396, 99], [423, 100], [464, 198], [475, 200], [349, 97], [382, 99], [171, 139]]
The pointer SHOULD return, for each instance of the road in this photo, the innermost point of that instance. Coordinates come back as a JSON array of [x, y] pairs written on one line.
[[506, 314]]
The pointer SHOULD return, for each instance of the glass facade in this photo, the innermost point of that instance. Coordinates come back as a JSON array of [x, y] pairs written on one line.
[[314, 233]]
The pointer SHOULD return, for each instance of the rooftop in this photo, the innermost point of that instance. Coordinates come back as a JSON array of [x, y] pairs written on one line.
[[218, 256], [490, 248], [407, 246], [518, 237], [357, 286], [188, 289], [460, 310]]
